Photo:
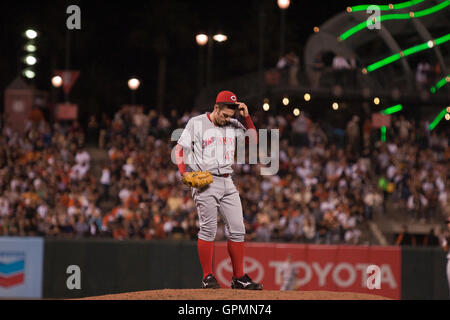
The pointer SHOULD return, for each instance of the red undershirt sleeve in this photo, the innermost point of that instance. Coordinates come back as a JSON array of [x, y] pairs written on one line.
[[179, 159], [248, 124]]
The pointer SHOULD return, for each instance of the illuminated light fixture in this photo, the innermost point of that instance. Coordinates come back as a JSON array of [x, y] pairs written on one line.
[[133, 84], [220, 37], [57, 81], [440, 84], [394, 16], [30, 74], [392, 109], [335, 106], [364, 71], [31, 34], [316, 29], [296, 112], [383, 134], [307, 97], [447, 116], [376, 100], [448, 109], [390, 6], [430, 44], [30, 48], [407, 52], [266, 107], [284, 4], [437, 119], [30, 60], [201, 39], [285, 101]]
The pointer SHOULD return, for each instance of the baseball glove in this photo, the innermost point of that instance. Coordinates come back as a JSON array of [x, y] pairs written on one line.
[[197, 179]]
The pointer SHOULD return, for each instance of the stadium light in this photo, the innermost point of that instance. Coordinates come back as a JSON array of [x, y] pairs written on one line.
[[133, 84], [30, 74], [30, 48], [296, 112], [57, 81], [31, 34], [376, 100], [285, 101], [266, 107], [220, 37], [307, 97], [283, 4], [201, 39], [335, 106], [30, 60]]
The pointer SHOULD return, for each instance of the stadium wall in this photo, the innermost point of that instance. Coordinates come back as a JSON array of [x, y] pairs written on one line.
[[111, 266]]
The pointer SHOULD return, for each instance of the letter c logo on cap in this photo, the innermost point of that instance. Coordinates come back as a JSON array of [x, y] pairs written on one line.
[[233, 98]]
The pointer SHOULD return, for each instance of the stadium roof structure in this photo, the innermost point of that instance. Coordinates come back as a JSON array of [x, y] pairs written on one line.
[[387, 44]]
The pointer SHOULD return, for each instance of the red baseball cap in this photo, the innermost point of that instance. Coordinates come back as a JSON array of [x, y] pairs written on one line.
[[226, 97]]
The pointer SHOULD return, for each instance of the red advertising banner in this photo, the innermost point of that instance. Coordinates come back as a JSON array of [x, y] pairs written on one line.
[[68, 77], [67, 111], [320, 267], [381, 120]]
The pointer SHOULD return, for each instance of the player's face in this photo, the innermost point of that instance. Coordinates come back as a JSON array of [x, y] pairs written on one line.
[[224, 116]]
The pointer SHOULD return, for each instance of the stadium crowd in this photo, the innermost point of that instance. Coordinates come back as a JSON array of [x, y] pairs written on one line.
[[328, 182]]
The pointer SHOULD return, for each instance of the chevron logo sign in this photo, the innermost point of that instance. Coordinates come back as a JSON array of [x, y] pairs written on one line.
[[12, 269]]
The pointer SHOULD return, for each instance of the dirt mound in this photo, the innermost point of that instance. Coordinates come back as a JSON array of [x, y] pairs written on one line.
[[228, 294]]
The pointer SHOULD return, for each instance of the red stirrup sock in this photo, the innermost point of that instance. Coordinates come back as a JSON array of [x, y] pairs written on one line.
[[205, 253], [236, 252]]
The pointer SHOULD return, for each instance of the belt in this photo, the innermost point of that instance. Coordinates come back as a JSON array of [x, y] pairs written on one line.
[[226, 175]]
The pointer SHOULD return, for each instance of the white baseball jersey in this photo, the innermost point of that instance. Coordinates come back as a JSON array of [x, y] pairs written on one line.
[[212, 147]]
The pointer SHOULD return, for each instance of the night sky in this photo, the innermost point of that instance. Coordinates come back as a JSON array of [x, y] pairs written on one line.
[[119, 39]]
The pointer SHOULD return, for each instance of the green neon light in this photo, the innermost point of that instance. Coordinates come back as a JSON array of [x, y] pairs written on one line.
[[407, 52], [383, 134], [395, 16], [392, 109], [402, 5], [383, 62], [440, 84], [437, 119]]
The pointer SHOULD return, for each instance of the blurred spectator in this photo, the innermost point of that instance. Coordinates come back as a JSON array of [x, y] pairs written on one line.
[[353, 135], [317, 69], [431, 240], [405, 238], [422, 74]]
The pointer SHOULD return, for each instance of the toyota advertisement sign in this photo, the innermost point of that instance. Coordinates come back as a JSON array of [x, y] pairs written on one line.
[[320, 267]]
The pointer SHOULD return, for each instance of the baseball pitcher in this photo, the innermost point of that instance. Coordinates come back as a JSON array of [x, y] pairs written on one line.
[[204, 155]]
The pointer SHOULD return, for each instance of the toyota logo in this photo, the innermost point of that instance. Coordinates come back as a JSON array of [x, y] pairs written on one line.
[[251, 266]]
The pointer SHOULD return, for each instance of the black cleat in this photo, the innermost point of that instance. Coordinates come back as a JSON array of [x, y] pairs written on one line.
[[245, 283], [210, 282]]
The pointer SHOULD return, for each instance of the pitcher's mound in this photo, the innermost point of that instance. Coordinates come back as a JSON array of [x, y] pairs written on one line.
[[228, 294]]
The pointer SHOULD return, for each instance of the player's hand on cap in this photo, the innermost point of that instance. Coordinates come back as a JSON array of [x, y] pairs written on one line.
[[243, 109]]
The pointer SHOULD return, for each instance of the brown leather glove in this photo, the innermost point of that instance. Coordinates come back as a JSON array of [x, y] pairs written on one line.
[[197, 179]]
